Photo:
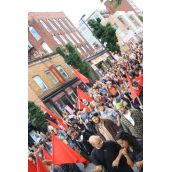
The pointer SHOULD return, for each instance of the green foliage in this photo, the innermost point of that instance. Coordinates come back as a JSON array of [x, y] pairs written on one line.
[[106, 34], [72, 57], [141, 18], [36, 115]]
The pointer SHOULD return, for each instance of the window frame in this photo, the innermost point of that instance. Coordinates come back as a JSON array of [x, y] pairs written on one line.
[[37, 36], [45, 25], [51, 24], [46, 87], [52, 77], [62, 72], [47, 46]]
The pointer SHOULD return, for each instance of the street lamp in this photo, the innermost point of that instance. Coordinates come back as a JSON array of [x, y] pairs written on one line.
[[95, 36]]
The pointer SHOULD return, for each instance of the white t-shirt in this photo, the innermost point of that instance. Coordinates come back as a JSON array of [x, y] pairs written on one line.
[[128, 117]]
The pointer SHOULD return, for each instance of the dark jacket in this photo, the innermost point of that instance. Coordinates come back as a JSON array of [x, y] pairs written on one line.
[[110, 126], [106, 155]]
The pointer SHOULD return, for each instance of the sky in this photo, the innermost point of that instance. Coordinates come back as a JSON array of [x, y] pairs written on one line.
[[74, 9]]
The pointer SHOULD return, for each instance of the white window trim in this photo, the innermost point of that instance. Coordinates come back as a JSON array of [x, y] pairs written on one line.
[[63, 71], [37, 38], [70, 39], [45, 26], [64, 39], [52, 25], [58, 24], [68, 22], [57, 40], [65, 26], [75, 38], [52, 75], [41, 81], [49, 50]]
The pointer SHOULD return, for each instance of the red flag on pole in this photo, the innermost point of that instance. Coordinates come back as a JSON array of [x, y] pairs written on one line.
[[80, 76], [31, 166], [54, 125], [134, 92], [40, 165], [64, 154], [83, 95], [59, 119], [47, 156], [81, 105], [139, 80]]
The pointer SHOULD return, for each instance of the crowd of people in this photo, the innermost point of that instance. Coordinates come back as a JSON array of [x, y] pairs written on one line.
[[109, 133]]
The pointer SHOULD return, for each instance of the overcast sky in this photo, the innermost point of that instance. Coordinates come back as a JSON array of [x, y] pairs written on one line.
[[74, 9]]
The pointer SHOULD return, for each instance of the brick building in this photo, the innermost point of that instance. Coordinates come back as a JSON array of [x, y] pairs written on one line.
[[48, 30], [126, 5], [51, 81]]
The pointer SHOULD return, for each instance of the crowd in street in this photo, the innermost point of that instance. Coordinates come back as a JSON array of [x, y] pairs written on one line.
[[109, 133]]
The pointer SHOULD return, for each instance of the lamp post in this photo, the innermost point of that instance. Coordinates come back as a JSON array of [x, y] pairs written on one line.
[[96, 37]]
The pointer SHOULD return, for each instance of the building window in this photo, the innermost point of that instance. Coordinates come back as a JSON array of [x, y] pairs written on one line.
[[29, 45], [56, 39], [68, 22], [61, 21], [64, 40], [52, 77], [69, 38], [116, 26], [40, 83], [84, 49], [134, 21], [121, 20], [56, 22], [51, 24], [51, 107], [88, 47], [80, 36], [34, 33], [45, 26], [75, 38], [79, 50], [62, 72], [46, 48]]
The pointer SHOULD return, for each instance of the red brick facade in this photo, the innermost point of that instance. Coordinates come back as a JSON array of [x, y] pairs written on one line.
[[47, 37], [124, 6]]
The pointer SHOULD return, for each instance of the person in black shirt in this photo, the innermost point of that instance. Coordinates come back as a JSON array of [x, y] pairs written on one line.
[[103, 155]]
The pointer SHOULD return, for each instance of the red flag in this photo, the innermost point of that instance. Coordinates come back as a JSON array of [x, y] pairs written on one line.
[[83, 95], [40, 166], [54, 125], [139, 80], [80, 76], [31, 167], [47, 156], [134, 92], [81, 105], [64, 154], [59, 119]]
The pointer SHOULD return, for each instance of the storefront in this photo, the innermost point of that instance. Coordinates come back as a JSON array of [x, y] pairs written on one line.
[[102, 62], [65, 97]]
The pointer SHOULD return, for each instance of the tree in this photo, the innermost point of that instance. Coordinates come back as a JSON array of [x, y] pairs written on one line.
[[141, 18], [72, 57], [36, 116], [106, 34]]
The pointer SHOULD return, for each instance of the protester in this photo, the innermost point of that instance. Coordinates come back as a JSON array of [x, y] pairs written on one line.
[[105, 128], [131, 150], [111, 111], [131, 121], [103, 155]]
